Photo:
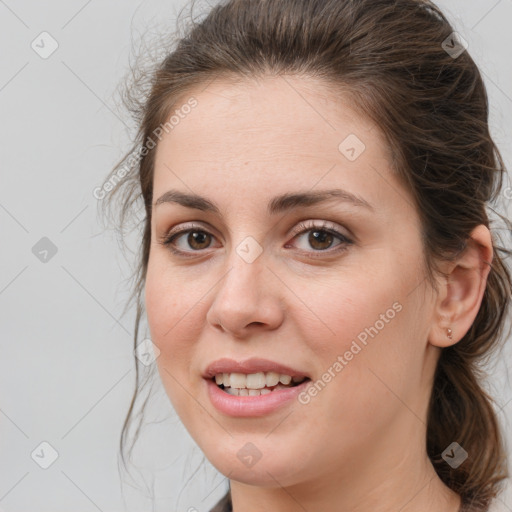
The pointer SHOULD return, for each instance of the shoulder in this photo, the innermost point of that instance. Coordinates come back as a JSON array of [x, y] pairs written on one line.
[[498, 506], [224, 505], [495, 506]]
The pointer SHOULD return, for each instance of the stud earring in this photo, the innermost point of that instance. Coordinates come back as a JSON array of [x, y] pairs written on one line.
[[449, 333]]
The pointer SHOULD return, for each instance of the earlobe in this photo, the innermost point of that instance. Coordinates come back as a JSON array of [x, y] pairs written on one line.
[[461, 292]]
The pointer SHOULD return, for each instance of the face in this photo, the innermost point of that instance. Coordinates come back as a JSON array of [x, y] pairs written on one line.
[[332, 289]]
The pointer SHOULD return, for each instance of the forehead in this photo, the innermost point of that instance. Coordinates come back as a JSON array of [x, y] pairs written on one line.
[[286, 115], [271, 135]]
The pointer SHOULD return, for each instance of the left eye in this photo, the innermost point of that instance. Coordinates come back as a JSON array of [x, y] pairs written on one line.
[[320, 238]]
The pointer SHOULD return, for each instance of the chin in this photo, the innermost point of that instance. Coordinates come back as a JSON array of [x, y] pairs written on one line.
[[243, 462]]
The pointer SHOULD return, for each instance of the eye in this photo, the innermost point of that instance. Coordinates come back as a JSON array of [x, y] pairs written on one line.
[[321, 237], [195, 239]]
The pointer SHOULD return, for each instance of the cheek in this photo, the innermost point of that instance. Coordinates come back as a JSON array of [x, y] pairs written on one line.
[[359, 305], [161, 304], [363, 337], [170, 312], [168, 300]]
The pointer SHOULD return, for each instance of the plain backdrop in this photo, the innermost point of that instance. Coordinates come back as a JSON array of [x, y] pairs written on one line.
[[66, 361]]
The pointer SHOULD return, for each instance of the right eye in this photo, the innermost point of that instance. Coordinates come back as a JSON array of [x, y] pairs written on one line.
[[197, 239]]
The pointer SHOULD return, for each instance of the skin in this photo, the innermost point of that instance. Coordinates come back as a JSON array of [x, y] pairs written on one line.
[[359, 444]]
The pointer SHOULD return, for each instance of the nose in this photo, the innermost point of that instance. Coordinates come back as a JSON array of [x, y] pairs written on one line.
[[247, 299]]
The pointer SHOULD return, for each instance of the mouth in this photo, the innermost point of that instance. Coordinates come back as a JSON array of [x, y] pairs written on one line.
[[256, 384]]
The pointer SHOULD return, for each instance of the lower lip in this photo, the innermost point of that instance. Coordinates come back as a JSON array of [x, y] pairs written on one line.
[[250, 406]]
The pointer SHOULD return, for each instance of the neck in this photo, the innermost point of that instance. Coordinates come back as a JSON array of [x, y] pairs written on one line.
[[388, 481]]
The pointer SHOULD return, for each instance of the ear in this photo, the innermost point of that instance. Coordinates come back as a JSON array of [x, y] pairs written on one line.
[[461, 293]]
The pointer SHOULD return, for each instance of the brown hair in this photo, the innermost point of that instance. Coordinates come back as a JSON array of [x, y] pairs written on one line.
[[433, 108]]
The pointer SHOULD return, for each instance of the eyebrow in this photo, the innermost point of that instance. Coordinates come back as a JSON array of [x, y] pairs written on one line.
[[276, 205]]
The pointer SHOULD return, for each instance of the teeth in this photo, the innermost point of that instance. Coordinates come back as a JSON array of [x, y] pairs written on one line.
[[254, 381], [272, 379], [237, 380], [251, 392], [285, 379]]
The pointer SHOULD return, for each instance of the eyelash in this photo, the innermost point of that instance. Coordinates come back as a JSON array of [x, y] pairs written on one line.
[[303, 227]]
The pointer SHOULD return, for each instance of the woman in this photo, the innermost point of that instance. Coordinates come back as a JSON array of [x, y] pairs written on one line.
[[319, 272]]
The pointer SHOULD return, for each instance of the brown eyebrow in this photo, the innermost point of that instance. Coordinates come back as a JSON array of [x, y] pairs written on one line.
[[276, 205]]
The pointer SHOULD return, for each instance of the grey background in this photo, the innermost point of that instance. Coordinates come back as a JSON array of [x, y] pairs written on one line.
[[66, 364]]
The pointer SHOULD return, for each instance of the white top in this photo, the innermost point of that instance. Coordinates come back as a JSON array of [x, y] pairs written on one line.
[[498, 506]]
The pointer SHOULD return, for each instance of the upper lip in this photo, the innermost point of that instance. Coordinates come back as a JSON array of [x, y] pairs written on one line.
[[252, 365]]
